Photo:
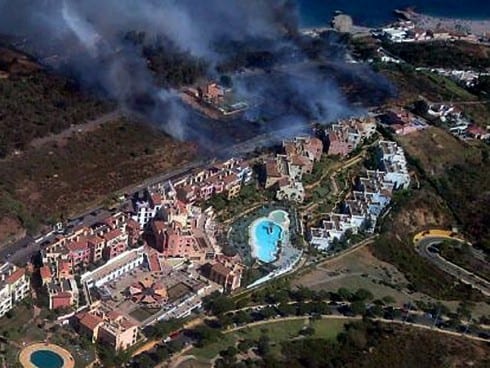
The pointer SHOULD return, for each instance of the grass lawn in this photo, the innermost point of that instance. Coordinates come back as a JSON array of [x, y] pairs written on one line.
[[278, 331], [328, 328]]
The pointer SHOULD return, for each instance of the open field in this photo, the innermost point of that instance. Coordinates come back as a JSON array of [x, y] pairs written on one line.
[[436, 150], [57, 180], [359, 269], [277, 331]]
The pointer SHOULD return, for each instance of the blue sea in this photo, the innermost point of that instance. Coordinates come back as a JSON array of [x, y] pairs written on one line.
[[374, 13]]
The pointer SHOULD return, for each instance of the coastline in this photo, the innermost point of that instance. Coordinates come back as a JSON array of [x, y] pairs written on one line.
[[479, 27], [459, 25]]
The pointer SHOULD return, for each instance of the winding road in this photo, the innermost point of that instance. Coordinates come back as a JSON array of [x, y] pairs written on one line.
[[423, 243]]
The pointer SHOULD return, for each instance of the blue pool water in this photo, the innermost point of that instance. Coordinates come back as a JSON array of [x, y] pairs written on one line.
[[46, 359], [266, 235]]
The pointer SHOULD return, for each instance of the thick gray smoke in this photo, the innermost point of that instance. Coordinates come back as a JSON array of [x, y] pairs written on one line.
[[87, 39]]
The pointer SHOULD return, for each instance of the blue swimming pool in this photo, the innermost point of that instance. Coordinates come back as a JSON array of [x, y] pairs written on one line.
[[266, 235], [46, 359]]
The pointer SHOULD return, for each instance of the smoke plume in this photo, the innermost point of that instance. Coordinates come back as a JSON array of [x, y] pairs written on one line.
[[87, 39]]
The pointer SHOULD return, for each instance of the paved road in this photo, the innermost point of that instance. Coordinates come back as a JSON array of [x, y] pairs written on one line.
[[20, 251], [422, 247]]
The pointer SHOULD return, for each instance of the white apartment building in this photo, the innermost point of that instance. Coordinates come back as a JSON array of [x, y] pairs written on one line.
[[14, 286]]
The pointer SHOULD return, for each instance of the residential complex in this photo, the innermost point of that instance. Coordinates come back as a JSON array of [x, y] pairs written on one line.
[[285, 171], [363, 205], [344, 136]]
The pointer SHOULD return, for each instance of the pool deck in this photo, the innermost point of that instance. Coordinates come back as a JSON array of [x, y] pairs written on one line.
[[25, 354]]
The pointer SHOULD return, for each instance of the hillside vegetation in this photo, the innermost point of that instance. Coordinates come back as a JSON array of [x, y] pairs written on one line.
[[60, 178], [35, 103], [442, 54]]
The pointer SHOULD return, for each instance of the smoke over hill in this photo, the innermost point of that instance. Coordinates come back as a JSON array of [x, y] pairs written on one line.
[[89, 40]]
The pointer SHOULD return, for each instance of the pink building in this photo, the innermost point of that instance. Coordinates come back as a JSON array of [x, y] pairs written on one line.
[[116, 243], [172, 241], [108, 327], [78, 252]]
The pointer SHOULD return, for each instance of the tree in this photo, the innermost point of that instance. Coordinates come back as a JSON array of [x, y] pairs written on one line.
[[363, 295], [263, 345], [358, 307], [344, 294], [218, 303]]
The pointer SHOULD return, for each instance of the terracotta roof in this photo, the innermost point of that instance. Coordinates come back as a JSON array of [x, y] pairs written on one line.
[[16, 275], [90, 321], [113, 234], [77, 246], [271, 168], [126, 323], [45, 272], [61, 295], [299, 160], [114, 315], [95, 239], [220, 269], [64, 266], [133, 224], [154, 263], [283, 182]]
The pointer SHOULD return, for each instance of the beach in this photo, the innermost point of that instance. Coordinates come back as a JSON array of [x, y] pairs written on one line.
[[479, 27]]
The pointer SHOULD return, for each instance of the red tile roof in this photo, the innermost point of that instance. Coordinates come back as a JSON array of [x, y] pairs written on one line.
[[220, 269], [90, 321], [45, 272], [113, 234], [16, 275], [77, 246]]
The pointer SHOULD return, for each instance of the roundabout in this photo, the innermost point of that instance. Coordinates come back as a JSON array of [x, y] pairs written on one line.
[[45, 355]]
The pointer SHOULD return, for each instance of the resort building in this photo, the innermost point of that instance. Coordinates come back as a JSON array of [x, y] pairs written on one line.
[[145, 207], [14, 286], [225, 271], [114, 268], [107, 327], [63, 293], [225, 177]]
